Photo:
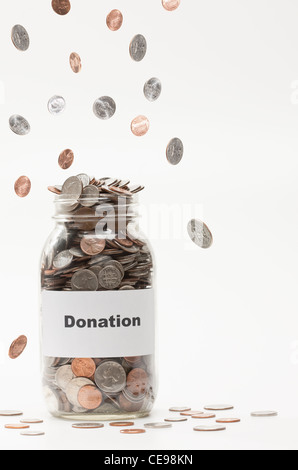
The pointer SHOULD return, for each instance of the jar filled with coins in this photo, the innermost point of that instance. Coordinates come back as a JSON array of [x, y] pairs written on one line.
[[97, 304]]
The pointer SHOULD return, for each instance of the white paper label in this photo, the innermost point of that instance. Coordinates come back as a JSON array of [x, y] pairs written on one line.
[[98, 324]]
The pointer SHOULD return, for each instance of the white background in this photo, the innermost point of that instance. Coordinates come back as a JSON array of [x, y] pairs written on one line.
[[228, 320]]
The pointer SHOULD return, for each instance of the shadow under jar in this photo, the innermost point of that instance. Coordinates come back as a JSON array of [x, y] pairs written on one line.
[[98, 309]]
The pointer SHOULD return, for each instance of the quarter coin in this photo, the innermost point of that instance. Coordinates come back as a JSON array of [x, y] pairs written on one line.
[[158, 425], [209, 428], [179, 409], [138, 48], [20, 38], [264, 414], [22, 186], [175, 151], [17, 347], [104, 107], [19, 125], [31, 421], [32, 433], [72, 188], [176, 420], [87, 425], [61, 7], [110, 377], [218, 407], [152, 89], [84, 280], [56, 104], [200, 234], [63, 259], [114, 20], [140, 126], [75, 62]]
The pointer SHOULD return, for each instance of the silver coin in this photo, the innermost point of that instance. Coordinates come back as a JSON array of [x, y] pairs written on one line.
[[56, 104], [32, 433], [63, 260], [218, 407], [89, 196], [77, 252], [177, 419], [158, 425], [63, 376], [84, 280], [110, 277], [72, 188], [31, 421], [19, 125], [20, 38], [175, 151], [85, 179], [91, 425], [10, 413], [179, 409], [110, 377], [264, 414], [138, 48], [73, 388], [104, 107], [152, 89], [200, 233], [209, 428]]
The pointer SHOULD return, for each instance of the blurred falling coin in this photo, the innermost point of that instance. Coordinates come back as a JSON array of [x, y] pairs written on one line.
[[158, 425], [114, 20], [175, 151], [17, 347], [19, 125], [201, 235], [209, 428], [171, 5], [61, 7], [228, 420], [133, 431], [22, 186], [140, 126], [87, 425], [179, 409], [32, 433], [122, 423], [16, 426], [152, 89], [20, 38], [104, 108], [66, 159], [264, 414], [218, 407], [138, 48], [56, 104], [75, 62]]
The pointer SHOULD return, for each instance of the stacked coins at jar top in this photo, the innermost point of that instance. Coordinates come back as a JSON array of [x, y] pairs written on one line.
[[92, 258]]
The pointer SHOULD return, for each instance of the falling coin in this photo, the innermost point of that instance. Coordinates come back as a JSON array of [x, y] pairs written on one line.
[[176, 420], [9, 413], [31, 421], [32, 433], [200, 234], [218, 407], [75, 62], [133, 431], [152, 89], [228, 420], [138, 48], [264, 414], [114, 20], [20, 38], [19, 125], [122, 423], [175, 151], [171, 5], [22, 186], [17, 426], [56, 104], [140, 126], [17, 347], [104, 108], [158, 425], [87, 425], [179, 409], [66, 159], [209, 428], [204, 416], [61, 7]]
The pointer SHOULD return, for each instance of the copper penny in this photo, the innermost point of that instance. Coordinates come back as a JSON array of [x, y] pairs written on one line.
[[61, 7], [124, 242], [17, 426], [133, 431], [22, 186], [228, 420], [114, 20], [204, 416], [75, 62], [54, 190], [93, 246], [90, 397], [171, 5], [137, 381], [122, 423], [17, 347], [83, 367], [66, 159], [140, 126]]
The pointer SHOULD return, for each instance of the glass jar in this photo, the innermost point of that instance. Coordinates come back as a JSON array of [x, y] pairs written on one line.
[[97, 306]]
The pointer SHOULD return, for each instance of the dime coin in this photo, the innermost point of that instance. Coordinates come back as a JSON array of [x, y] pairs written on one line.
[[63, 259], [83, 367], [204, 416], [152, 89], [66, 159], [20, 38], [9, 413], [75, 62], [200, 233], [87, 425], [178, 419], [31, 421], [171, 5], [122, 423], [264, 414], [179, 409], [138, 48], [32, 433], [62, 7], [110, 277], [140, 126], [110, 377], [17, 347], [56, 104], [22, 186], [218, 407], [114, 20], [93, 246], [133, 431], [104, 107], [89, 397], [84, 280], [209, 428], [228, 420], [16, 426], [72, 188], [158, 425], [175, 151], [19, 125]]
